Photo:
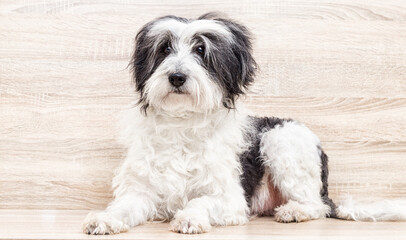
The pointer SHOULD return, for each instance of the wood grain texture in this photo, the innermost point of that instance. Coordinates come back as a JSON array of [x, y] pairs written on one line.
[[66, 224], [339, 66]]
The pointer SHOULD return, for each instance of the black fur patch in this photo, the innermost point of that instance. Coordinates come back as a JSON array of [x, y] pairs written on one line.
[[146, 58], [324, 189], [251, 160], [231, 63]]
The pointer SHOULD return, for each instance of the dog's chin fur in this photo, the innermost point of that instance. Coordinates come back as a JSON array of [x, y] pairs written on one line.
[[195, 156], [176, 103], [180, 104]]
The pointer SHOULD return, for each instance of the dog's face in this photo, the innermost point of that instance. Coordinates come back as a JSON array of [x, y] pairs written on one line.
[[192, 65]]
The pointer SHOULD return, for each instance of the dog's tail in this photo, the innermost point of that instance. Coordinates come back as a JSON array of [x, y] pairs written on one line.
[[383, 210]]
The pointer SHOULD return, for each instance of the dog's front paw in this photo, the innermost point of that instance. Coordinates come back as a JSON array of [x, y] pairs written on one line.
[[189, 223], [102, 223]]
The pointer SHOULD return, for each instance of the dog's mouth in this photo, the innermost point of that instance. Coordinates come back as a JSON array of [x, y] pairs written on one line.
[[178, 91]]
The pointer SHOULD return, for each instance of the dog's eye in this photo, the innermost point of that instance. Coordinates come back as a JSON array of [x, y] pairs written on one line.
[[167, 50], [200, 50]]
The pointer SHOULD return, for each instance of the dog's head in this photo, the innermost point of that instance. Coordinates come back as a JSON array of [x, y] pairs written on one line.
[[192, 65]]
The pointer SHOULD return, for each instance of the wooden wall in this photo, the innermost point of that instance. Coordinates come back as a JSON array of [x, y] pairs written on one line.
[[337, 65]]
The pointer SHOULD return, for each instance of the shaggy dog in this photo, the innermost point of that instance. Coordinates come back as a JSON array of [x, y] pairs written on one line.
[[195, 157]]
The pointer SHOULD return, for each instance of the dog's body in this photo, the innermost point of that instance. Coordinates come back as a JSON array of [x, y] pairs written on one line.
[[195, 157]]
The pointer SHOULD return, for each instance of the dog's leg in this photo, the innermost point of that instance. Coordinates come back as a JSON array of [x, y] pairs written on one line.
[[201, 213], [292, 153], [124, 212]]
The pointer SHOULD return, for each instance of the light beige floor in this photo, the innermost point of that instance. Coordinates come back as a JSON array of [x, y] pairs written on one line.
[[65, 224]]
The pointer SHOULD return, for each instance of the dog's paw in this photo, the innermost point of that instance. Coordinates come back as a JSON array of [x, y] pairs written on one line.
[[103, 224], [189, 223], [290, 212]]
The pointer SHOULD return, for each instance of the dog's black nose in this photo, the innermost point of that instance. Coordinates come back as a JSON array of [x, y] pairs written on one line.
[[177, 79]]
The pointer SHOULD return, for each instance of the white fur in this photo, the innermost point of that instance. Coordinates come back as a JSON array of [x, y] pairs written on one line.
[[384, 210], [179, 168], [290, 151]]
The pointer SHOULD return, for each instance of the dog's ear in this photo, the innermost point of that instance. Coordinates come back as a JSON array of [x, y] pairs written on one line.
[[146, 57], [242, 65], [242, 49], [139, 60]]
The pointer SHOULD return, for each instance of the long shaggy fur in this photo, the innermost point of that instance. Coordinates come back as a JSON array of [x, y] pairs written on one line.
[[196, 158], [382, 210]]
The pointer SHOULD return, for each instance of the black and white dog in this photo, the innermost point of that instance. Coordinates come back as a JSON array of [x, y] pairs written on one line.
[[195, 157]]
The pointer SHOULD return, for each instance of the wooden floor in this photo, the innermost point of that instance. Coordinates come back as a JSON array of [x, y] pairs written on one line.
[[66, 224]]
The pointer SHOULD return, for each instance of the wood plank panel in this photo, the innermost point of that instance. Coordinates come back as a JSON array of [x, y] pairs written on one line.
[[339, 66], [31, 224], [294, 9]]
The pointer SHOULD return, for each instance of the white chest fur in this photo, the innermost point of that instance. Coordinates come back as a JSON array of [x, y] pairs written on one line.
[[176, 159]]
